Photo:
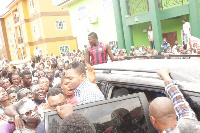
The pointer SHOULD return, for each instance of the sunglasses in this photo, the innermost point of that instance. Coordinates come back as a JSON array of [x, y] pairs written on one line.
[[31, 111]]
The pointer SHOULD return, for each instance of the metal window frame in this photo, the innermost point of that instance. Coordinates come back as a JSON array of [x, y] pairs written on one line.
[[141, 97]]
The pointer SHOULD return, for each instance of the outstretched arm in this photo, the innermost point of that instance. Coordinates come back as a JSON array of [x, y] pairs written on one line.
[[181, 106], [87, 57], [11, 111], [91, 74], [112, 57]]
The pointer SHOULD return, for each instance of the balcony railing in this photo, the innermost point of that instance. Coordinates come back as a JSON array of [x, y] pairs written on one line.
[[141, 6], [137, 6], [165, 4], [20, 40]]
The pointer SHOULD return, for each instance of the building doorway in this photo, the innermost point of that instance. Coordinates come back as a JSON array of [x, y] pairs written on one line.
[[171, 37]]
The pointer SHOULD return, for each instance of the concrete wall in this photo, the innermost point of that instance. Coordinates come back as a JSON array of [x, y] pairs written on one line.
[[139, 37], [105, 27]]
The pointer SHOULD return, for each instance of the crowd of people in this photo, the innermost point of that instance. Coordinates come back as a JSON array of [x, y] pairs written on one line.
[[26, 93], [142, 51], [186, 47], [59, 83]]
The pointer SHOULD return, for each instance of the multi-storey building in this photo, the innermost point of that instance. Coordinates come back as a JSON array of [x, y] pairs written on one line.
[[41, 23], [132, 19], [92, 16], [4, 49]]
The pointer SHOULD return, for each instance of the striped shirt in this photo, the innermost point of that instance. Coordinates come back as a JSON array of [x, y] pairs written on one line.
[[98, 54]]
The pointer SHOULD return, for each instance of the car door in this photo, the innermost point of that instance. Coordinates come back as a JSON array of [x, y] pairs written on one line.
[[127, 114]]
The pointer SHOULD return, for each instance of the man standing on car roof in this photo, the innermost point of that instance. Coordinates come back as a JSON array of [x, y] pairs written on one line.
[[97, 52]]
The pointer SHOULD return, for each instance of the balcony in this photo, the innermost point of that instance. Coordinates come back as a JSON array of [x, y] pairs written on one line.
[[16, 19], [16, 16], [20, 40], [137, 6], [166, 4], [141, 6]]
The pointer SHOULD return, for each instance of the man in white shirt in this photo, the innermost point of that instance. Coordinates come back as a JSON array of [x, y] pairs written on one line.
[[52, 56], [175, 47], [37, 54], [186, 34], [150, 37]]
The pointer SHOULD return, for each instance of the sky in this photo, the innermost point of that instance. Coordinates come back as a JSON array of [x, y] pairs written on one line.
[[3, 5]]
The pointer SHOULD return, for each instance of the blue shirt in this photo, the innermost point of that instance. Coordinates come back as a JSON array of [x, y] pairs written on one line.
[[165, 46], [40, 127]]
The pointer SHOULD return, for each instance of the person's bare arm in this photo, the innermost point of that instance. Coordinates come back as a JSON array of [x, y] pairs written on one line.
[[87, 57], [190, 27], [164, 74], [3, 117], [11, 111], [162, 47], [190, 43], [148, 36], [91, 74], [112, 57], [181, 106]]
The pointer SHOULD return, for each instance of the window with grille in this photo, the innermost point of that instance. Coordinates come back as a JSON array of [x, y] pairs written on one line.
[[31, 6], [60, 25], [36, 31], [64, 49], [82, 13]]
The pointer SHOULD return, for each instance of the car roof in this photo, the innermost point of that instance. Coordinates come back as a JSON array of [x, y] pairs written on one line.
[[186, 68], [142, 74]]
